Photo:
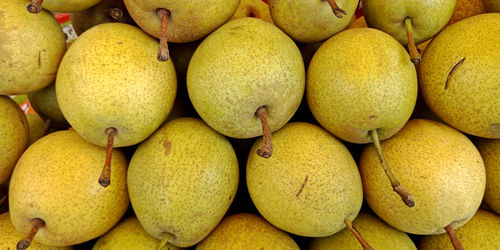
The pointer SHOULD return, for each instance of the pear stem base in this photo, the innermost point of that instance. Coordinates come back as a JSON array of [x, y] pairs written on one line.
[[453, 238], [115, 13], [267, 145], [163, 53], [36, 224], [35, 6], [356, 234], [337, 11], [414, 55], [105, 178], [163, 241]]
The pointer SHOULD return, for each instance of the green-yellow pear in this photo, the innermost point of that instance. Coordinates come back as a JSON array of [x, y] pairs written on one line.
[[492, 5], [14, 134], [182, 180], [9, 236], [310, 185], [246, 231], [246, 79], [53, 189], [490, 151], [253, 8], [128, 234], [459, 76], [441, 167], [35, 6], [31, 48], [36, 127], [374, 230], [481, 232], [111, 88], [310, 21], [44, 101]]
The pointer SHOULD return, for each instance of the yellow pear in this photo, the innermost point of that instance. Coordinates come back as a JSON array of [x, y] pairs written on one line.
[[374, 230], [490, 151], [128, 234], [182, 180], [31, 48], [246, 231], [465, 9], [309, 186], [459, 75], [61, 5], [481, 232], [53, 186], [14, 134], [36, 127], [253, 8], [9, 236], [441, 167]]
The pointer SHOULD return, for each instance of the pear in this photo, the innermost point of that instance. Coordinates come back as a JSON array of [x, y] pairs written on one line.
[[460, 75], [442, 168], [310, 186], [374, 230], [35, 6], [362, 87], [32, 47], [359, 23], [492, 5], [53, 190], [106, 11], [112, 90], [14, 134], [409, 21], [9, 236], [128, 234], [246, 231], [490, 151], [253, 8], [309, 21], [481, 232], [246, 79], [465, 9], [36, 127], [44, 102], [182, 180], [180, 21]]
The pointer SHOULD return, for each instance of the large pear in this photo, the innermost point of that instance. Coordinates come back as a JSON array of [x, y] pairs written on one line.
[[490, 151]]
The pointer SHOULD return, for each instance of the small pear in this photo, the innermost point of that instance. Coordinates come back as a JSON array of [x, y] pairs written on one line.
[[44, 101], [36, 127], [490, 151], [182, 180], [35, 6], [246, 231]]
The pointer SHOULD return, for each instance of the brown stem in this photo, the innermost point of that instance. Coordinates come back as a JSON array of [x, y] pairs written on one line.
[[396, 185], [414, 55], [453, 238], [105, 178], [35, 6], [358, 236], [46, 126], [35, 225], [163, 53], [115, 13], [267, 145], [337, 11]]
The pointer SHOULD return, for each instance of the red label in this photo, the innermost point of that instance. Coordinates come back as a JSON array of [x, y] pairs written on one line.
[[62, 17]]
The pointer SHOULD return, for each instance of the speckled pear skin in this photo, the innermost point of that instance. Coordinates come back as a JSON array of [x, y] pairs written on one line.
[[56, 180], [36, 124], [481, 232], [470, 101], [14, 135], [9, 236], [246, 231], [428, 17], [310, 184], [375, 231], [438, 165], [243, 65], [359, 80], [490, 151], [110, 77], [44, 101], [182, 180], [309, 21], [129, 234], [466, 8], [68, 5], [188, 21], [31, 48], [253, 8]]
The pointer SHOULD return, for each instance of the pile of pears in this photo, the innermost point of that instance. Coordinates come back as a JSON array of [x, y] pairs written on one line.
[[250, 124]]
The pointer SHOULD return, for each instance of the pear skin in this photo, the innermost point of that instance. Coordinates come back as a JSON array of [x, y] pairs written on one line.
[[492, 5], [490, 151], [44, 101], [68, 5], [465, 9], [253, 8], [36, 127]]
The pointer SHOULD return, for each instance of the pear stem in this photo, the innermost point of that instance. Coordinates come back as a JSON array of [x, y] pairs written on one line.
[[35, 6], [337, 11], [163, 241], [267, 145], [35, 225], [163, 53], [115, 13], [396, 185], [414, 55], [46, 126], [453, 238], [105, 178], [358, 236]]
